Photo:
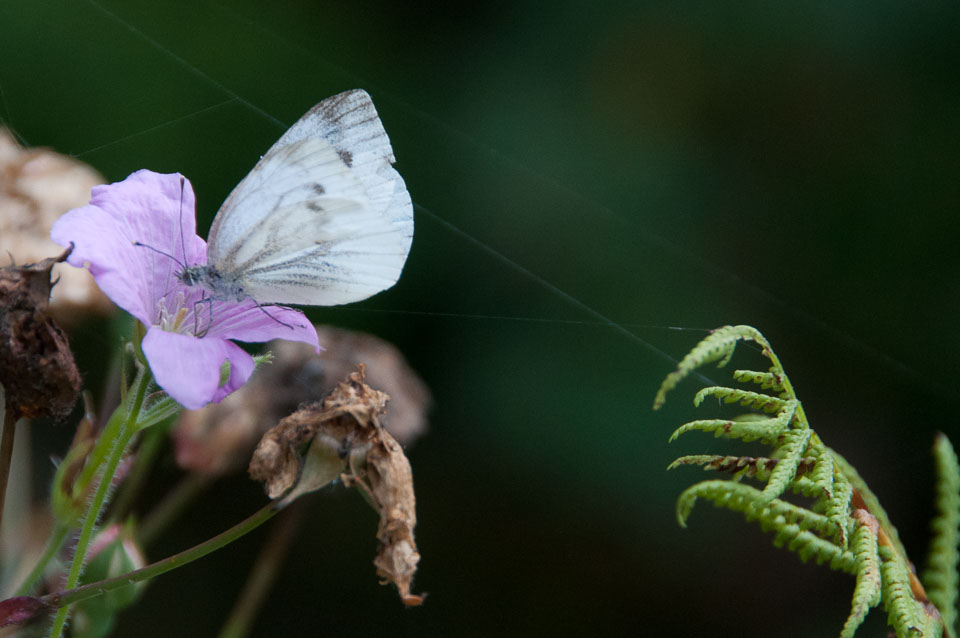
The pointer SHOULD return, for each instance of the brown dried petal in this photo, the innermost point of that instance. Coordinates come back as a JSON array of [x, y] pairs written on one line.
[[390, 483], [37, 369], [346, 419]]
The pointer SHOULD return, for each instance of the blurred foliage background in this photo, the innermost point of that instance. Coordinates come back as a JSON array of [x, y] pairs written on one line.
[[596, 184]]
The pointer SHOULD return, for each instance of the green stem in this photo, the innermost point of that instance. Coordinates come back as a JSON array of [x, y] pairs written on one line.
[[64, 598], [117, 448], [54, 544]]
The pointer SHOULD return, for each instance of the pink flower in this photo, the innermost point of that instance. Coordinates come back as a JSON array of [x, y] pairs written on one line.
[[136, 236]]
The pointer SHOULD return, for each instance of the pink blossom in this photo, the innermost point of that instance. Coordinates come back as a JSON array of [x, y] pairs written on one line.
[[136, 236]]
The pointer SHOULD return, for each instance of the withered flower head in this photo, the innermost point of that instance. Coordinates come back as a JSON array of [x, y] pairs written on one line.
[[341, 437], [37, 370]]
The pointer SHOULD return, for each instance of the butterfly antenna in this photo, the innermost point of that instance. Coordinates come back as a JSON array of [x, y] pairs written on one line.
[[159, 252], [183, 244]]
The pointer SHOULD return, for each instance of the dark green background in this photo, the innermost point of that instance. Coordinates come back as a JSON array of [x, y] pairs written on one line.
[[587, 176]]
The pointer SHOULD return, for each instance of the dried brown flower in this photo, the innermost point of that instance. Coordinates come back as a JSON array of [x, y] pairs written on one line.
[[37, 369], [342, 437]]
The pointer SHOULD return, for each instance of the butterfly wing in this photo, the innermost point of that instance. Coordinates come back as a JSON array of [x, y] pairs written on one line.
[[323, 218]]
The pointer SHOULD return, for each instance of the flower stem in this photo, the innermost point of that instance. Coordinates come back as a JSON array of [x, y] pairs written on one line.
[[118, 446], [9, 418], [64, 598]]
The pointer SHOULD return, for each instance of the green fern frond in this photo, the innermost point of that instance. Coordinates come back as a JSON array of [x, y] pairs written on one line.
[[940, 575], [822, 473], [766, 380], [719, 345], [766, 430], [797, 528], [750, 502], [867, 593], [749, 466], [837, 507], [845, 525], [793, 443], [904, 613], [755, 400]]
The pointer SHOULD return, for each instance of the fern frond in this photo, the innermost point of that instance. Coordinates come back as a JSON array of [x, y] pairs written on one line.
[[797, 528], [758, 467], [867, 593], [904, 613], [822, 473], [793, 445], [766, 380], [767, 430], [718, 346], [755, 400], [750, 502], [838, 507], [940, 575], [845, 524]]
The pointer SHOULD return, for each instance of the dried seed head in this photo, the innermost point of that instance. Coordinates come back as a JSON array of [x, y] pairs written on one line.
[[37, 369]]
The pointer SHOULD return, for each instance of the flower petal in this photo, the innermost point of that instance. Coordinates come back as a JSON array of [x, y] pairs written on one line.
[[241, 367], [188, 368], [153, 209], [246, 321]]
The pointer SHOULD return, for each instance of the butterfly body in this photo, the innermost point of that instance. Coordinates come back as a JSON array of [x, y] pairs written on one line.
[[322, 219]]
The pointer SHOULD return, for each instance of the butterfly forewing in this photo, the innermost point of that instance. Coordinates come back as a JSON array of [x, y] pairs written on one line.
[[323, 218]]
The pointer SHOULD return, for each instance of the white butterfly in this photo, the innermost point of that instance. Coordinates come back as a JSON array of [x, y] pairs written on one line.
[[322, 219]]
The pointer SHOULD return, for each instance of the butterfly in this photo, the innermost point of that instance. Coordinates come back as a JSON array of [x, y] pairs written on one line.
[[322, 219]]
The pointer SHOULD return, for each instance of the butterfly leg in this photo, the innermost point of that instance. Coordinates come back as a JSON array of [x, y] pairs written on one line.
[[197, 331]]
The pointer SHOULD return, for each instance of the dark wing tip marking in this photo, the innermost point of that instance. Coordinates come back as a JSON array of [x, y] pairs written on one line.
[[346, 156]]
